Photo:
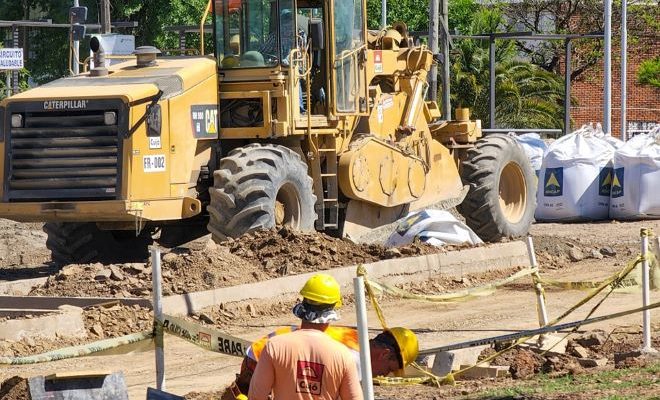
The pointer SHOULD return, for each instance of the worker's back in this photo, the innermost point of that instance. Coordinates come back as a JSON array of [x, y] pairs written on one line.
[[305, 364]]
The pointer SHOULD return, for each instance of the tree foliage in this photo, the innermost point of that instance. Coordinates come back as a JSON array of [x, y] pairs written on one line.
[[649, 72], [527, 95]]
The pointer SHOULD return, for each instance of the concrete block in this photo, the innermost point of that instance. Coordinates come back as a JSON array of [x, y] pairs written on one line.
[[580, 352], [448, 361], [67, 322], [20, 288], [479, 372], [592, 362], [552, 344]]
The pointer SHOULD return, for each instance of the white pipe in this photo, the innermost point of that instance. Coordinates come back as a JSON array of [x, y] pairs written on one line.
[[646, 315], [8, 83], [540, 300], [624, 68], [76, 48], [363, 338], [607, 87], [383, 14], [156, 277]]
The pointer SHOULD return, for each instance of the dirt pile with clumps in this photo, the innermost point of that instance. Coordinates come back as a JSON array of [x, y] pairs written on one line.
[[15, 388], [254, 257], [21, 245], [288, 252]]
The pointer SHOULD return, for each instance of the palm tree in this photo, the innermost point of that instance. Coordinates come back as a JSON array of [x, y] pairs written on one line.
[[527, 96]]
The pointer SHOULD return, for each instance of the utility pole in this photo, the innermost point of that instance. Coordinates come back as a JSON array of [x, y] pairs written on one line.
[[444, 44], [624, 68], [76, 48], [433, 44], [105, 16], [607, 87]]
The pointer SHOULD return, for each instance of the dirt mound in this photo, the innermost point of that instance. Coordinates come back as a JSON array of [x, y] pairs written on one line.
[[288, 252], [252, 258], [522, 363], [15, 388]]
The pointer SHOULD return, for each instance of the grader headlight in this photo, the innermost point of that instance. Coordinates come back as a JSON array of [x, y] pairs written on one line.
[[17, 120]]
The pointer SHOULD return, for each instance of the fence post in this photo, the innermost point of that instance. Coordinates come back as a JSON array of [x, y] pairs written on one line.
[[363, 337], [647, 345], [540, 300], [156, 278]]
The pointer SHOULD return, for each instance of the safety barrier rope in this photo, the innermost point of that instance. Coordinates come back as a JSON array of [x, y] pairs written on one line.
[[613, 282]]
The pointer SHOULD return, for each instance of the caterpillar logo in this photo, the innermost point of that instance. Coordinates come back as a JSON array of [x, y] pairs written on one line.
[[617, 183], [605, 182], [65, 104], [553, 182]]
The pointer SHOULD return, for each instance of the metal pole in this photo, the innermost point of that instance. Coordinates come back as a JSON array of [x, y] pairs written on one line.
[[540, 300], [383, 13], [491, 67], [156, 277], [647, 345], [15, 76], [433, 44], [444, 38], [363, 338], [76, 48], [567, 87], [105, 17], [8, 83], [607, 89], [624, 67]]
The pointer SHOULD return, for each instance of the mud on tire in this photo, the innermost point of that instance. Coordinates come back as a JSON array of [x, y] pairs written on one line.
[[502, 196], [257, 187], [80, 243]]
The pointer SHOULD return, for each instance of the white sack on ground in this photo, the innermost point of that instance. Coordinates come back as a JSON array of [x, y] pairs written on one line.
[[534, 147], [435, 227], [575, 178], [636, 179]]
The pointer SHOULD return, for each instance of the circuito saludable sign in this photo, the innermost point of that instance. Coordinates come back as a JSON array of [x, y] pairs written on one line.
[[11, 59]]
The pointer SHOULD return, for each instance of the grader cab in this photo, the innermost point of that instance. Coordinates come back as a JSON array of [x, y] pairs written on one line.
[[304, 118]]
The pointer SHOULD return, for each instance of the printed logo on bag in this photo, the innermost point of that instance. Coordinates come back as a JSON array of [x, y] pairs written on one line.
[[553, 182], [408, 222], [617, 182], [605, 182], [309, 377]]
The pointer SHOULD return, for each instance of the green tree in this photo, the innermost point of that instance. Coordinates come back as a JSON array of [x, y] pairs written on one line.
[[649, 72], [527, 95]]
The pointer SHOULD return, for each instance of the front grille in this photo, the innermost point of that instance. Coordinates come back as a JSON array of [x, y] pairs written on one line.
[[63, 155]]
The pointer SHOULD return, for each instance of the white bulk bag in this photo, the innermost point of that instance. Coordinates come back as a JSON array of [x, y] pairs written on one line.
[[534, 147], [636, 188], [575, 178], [435, 227]]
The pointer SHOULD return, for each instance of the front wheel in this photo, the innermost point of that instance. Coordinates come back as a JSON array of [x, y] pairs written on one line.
[[502, 196], [260, 186]]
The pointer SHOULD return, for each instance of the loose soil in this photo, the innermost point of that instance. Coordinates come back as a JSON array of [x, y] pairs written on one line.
[[15, 388]]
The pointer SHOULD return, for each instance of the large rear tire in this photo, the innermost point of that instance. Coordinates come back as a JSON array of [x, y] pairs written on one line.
[[81, 243], [502, 196], [260, 186]]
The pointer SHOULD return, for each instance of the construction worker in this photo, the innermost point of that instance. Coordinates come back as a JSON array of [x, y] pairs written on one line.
[[391, 350], [307, 363]]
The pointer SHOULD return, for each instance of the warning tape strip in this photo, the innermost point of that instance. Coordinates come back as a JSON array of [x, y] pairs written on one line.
[[204, 337], [454, 296]]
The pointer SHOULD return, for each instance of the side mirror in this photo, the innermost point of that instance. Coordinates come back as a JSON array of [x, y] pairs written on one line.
[[316, 34], [78, 32]]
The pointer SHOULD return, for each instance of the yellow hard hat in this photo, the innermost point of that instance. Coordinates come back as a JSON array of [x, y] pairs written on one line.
[[322, 289], [407, 342]]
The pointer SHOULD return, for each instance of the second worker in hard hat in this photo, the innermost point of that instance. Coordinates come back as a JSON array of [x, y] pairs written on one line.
[[391, 350]]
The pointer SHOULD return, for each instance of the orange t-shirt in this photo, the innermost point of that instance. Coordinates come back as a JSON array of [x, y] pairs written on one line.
[[305, 365]]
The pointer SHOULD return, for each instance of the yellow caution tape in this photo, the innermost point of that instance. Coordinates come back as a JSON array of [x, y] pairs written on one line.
[[454, 296], [204, 337]]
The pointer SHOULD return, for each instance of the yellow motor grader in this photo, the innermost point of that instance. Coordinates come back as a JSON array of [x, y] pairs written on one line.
[[303, 118]]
